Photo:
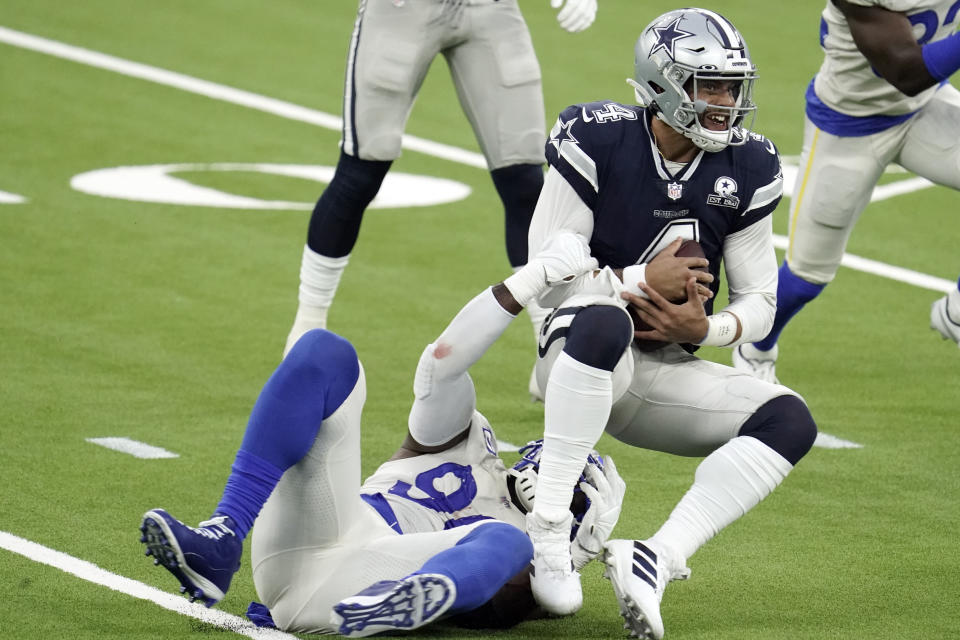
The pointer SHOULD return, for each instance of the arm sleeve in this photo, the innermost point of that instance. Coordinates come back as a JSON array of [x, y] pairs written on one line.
[[750, 264]]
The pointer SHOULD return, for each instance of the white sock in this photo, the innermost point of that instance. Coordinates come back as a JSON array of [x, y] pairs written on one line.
[[319, 277], [728, 483], [578, 401], [444, 397]]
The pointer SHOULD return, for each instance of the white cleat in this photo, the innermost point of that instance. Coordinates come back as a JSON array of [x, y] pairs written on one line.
[[759, 364], [639, 572], [553, 580], [944, 317]]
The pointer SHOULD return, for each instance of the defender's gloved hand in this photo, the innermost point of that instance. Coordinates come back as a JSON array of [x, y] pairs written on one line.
[[577, 15], [605, 488]]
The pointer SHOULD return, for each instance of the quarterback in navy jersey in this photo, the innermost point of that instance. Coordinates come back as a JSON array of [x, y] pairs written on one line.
[[634, 182], [606, 152]]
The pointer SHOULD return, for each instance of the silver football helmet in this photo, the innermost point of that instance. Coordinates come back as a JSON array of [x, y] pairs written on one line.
[[675, 54]]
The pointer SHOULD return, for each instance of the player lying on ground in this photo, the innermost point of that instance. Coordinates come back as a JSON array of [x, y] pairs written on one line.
[[414, 543]]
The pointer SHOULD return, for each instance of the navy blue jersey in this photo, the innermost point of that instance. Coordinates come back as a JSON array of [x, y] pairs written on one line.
[[607, 153]]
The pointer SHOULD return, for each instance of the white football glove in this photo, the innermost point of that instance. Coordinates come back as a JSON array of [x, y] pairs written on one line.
[[564, 256], [605, 489], [577, 15]]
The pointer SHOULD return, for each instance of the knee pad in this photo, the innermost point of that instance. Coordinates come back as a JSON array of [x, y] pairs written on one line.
[[598, 336], [785, 425], [519, 187], [323, 362], [335, 223]]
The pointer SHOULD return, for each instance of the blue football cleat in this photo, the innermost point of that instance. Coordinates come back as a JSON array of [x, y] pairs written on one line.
[[394, 605], [203, 559]]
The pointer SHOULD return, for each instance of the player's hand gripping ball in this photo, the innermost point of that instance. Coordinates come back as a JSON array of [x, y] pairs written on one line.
[[688, 249]]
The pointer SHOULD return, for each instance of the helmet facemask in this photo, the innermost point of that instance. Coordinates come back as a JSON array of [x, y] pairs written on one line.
[[675, 56], [522, 482]]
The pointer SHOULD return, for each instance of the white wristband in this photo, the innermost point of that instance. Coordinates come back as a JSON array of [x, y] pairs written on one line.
[[527, 282], [632, 275], [722, 330]]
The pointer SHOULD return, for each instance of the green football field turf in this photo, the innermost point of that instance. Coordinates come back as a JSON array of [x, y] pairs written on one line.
[[159, 322]]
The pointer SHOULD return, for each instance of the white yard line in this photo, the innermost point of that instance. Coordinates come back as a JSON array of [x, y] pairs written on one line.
[[11, 198], [92, 573], [221, 92], [884, 270], [134, 448]]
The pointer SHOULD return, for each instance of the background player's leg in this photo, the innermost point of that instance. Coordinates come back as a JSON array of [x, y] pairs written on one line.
[[389, 55], [932, 149], [833, 186], [498, 81], [331, 235]]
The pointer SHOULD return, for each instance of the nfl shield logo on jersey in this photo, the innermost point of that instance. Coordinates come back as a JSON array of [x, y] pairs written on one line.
[[674, 190]]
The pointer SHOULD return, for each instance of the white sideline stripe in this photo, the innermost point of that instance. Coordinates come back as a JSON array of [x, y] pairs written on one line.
[[135, 448], [11, 198], [884, 270], [828, 441], [92, 573], [221, 92]]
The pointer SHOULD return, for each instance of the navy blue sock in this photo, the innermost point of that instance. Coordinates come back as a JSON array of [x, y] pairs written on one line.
[[251, 481], [469, 564], [793, 292], [309, 385], [335, 222], [519, 187]]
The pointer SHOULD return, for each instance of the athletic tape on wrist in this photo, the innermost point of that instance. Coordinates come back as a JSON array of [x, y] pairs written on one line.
[[632, 275], [722, 329], [526, 283]]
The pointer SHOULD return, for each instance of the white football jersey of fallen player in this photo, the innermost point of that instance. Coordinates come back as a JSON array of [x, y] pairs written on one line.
[[437, 491]]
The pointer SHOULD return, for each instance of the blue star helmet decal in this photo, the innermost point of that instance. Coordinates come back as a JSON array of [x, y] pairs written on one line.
[[667, 38]]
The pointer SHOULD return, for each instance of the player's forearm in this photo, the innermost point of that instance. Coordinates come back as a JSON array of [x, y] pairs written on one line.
[[750, 264], [754, 315]]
